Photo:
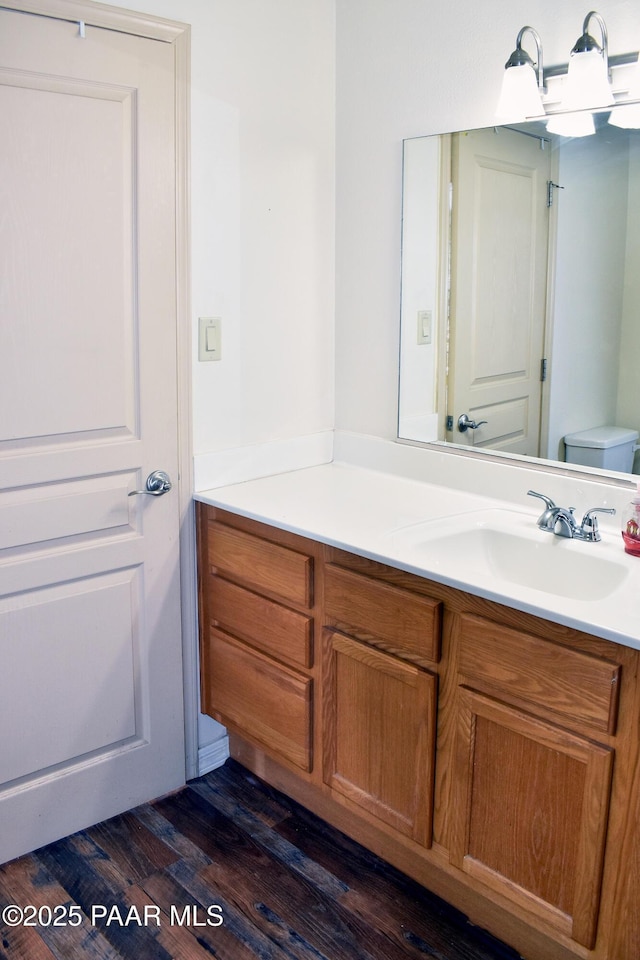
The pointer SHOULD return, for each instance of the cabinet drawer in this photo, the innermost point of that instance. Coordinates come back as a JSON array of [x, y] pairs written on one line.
[[398, 619], [265, 624], [255, 696], [264, 565], [579, 689]]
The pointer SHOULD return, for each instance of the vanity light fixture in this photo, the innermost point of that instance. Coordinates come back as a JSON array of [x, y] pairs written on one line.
[[522, 83], [588, 83], [585, 85]]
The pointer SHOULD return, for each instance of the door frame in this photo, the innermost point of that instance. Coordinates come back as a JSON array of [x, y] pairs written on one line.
[[179, 36]]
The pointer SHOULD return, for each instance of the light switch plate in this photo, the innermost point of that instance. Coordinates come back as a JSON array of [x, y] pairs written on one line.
[[425, 318], [209, 338]]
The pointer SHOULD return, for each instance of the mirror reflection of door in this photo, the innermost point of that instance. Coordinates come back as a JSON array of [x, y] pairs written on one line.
[[499, 264]]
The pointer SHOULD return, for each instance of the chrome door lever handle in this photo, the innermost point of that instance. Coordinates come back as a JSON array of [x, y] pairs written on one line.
[[158, 483], [464, 423]]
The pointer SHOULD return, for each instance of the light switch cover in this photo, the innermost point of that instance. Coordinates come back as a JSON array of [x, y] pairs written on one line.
[[209, 338]]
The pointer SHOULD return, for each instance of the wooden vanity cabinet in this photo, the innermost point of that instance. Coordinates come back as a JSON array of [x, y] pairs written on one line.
[[256, 604], [491, 755]]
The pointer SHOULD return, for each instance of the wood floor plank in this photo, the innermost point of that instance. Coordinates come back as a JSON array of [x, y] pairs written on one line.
[[87, 887], [365, 884], [235, 783], [237, 921], [150, 817], [84, 847], [226, 942], [275, 898], [26, 882], [23, 943], [385, 897], [178, 941], [289, 886], [134, 848], [273, 842], [17, 887]]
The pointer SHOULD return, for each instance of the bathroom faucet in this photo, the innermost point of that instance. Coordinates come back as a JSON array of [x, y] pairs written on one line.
[[562, 522]]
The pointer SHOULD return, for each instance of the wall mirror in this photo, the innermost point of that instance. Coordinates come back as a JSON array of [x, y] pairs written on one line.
[[520, 314]]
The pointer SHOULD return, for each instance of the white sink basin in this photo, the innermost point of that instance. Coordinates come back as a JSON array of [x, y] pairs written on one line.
[[508, 545]]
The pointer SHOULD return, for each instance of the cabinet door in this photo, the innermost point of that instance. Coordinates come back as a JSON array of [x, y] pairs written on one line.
[[530, 803], [380, 727]]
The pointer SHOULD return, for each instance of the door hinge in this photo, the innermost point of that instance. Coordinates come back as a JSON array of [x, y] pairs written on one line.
[[551, 186], [543, 369]]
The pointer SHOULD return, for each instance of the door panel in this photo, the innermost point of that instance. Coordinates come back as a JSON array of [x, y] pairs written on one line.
[[102, 649], [90, 636], [498, 287], [84, 275]]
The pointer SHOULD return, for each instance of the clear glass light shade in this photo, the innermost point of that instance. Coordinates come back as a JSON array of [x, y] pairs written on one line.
[[587, 84], [572, 124], [520, 96]]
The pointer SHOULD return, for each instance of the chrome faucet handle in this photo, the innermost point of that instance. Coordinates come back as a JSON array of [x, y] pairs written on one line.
[[589, 526], [549, 517], [541, 496]]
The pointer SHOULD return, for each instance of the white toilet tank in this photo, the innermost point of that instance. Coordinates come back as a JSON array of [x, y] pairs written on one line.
[[610, 448]]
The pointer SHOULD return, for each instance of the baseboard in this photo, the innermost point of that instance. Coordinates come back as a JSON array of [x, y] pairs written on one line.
[[212, 755]]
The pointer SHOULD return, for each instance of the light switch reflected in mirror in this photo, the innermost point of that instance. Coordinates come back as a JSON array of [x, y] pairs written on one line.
[[524, 248]]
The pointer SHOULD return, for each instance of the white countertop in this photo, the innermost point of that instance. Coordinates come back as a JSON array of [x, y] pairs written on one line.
[[371, 513]]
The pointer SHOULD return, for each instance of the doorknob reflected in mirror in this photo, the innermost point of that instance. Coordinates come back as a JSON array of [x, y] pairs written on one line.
[[464, 423], [158, 483]]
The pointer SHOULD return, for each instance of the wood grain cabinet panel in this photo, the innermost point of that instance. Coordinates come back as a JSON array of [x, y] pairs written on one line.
[[271, 627], [578, 689], [380, 721], [530, 810], [268, 702], [404, 622], [267, 567]]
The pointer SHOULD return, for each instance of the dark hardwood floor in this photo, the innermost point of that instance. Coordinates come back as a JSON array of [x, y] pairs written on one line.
[[227, 868]]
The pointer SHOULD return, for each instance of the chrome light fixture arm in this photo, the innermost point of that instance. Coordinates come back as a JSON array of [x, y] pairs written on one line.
[[519, 57], [585, 43]]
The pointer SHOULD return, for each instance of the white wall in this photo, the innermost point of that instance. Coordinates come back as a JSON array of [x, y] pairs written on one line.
[[262, 194], [405, 68], [420, 262]]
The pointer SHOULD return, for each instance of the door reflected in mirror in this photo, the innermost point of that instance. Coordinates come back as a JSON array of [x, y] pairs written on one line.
[[520, 319]]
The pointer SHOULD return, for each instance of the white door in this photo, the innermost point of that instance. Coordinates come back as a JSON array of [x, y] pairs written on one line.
[[500, 229], [91, 705]]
